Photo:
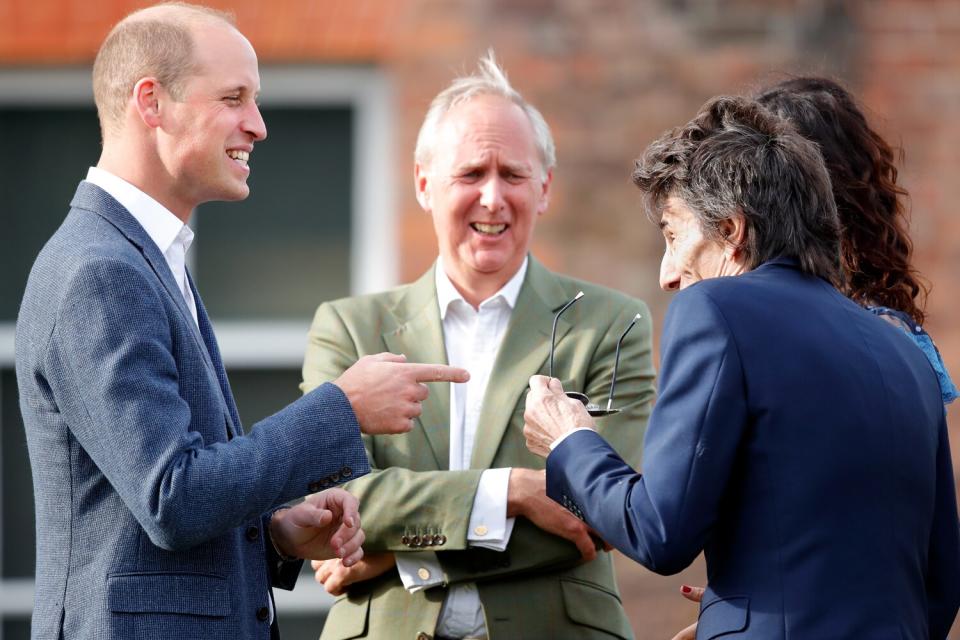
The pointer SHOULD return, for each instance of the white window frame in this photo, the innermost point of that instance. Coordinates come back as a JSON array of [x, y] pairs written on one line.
[[261, 344]]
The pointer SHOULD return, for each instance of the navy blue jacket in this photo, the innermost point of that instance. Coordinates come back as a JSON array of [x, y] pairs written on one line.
[[801, 443], [150, 499]]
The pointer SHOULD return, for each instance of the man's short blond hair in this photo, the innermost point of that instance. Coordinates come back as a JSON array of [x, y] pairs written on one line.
[[490, 79], [153, 42]]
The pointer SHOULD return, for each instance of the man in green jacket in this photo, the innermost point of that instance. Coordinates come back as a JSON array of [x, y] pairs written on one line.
[[461, 539]]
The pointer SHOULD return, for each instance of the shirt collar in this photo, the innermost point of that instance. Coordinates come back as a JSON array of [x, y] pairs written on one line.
[[447, 293], [161, 225]]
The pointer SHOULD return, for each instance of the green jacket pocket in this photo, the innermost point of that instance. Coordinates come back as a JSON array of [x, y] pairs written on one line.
[[593, 606]]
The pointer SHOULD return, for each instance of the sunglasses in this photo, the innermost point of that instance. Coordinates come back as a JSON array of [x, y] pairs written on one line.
[[592, 408]]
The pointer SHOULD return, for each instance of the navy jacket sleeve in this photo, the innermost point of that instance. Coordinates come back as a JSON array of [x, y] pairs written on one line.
[[943, 564], [661, 518]]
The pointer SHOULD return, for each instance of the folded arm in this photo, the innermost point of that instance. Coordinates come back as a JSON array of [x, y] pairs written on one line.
[[398, 502]]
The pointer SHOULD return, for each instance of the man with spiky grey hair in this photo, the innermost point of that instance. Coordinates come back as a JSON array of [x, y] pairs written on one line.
[[461, 540]]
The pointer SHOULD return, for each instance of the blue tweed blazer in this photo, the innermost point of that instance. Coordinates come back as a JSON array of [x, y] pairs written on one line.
[[151, 501]]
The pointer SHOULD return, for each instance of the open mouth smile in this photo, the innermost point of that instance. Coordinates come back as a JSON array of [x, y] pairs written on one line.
[[238, 156], [488, 229]]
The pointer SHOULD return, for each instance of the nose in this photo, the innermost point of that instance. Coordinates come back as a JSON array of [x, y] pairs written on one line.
[[669, 274], [254, 125], [491, 194]]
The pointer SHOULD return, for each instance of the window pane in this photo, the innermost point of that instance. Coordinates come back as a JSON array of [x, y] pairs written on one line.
[[285, 248], [16, 505], [262, 392], [16, 629], [47, 154]]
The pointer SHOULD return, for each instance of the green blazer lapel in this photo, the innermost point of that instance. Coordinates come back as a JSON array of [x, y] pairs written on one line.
[[523, 352], [419, 336]]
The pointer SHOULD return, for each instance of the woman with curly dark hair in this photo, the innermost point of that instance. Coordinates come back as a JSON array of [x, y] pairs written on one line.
[[874, 244]]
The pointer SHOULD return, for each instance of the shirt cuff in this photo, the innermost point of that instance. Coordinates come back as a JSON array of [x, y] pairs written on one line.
[[419, 571], [555, 443], [490, 527]]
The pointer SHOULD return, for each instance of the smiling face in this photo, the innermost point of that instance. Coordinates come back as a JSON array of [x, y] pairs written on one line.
[[689, 256], [207, 134], [485, 186]]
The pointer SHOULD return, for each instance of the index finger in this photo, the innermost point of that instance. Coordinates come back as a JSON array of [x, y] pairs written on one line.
[[437, 373], [693, 594], [350, 510], [588, 551]]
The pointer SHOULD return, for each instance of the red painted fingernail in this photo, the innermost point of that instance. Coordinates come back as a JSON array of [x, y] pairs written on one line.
[[685, 589]]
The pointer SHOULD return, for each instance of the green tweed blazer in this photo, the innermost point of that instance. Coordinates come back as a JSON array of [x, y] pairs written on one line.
[[538, 588]]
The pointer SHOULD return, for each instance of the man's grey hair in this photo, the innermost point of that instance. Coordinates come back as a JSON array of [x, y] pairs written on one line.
[[736, 157], [490, 79]]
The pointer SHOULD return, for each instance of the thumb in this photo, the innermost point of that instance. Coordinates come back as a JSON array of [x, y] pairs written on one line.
[[539, 383], [555, 385], [307, 515]]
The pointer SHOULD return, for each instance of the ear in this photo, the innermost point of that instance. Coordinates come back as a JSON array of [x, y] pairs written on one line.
[[734, 232], [545, 193], [146, 100], [422, 186]]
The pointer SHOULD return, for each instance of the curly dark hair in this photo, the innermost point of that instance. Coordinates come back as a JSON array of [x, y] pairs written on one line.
[[737, 158], [875, 247]]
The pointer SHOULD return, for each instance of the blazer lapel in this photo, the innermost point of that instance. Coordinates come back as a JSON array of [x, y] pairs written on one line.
[[90, 197], [213, 351], [419, 336], [523, 352]]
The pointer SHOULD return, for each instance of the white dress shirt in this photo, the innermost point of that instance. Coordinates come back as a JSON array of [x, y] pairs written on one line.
[[472, 338], [167, 231]]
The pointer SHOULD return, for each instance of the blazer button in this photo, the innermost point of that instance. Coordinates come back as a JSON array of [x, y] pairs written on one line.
[[405, 540], [441, 539], [335, 477], [253, 534], [415, 541], [424, 636], [313, 487], [346, 472], [263, 614]]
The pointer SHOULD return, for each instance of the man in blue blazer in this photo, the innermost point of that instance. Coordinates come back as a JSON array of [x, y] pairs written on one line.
[[157, 516], [799, 441]]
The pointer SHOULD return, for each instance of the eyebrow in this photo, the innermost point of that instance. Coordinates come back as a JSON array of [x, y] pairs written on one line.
[[467, 165], [477, 163], [518, 167], [240, 88]]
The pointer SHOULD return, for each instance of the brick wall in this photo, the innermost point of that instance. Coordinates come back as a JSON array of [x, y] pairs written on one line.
[[609, 75]]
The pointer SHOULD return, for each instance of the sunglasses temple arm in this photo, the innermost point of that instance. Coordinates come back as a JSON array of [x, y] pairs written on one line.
[[553, 334], [616, 361]]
